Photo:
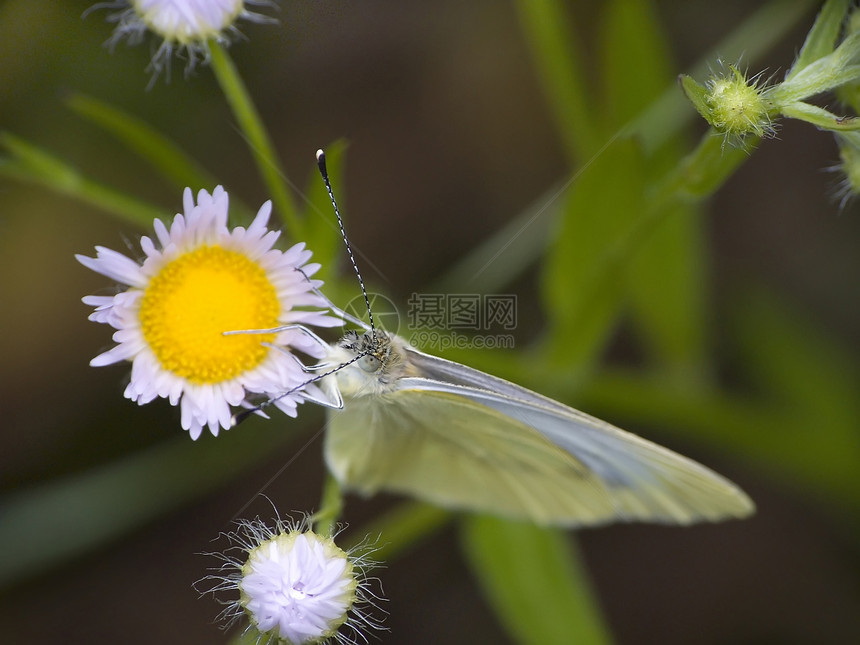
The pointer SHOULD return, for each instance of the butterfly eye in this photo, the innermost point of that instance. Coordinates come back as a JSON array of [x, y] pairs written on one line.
[[369, 363]]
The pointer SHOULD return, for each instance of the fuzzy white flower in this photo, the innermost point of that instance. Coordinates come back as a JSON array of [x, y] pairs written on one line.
[[294, 586], [183, 25], [200, 280]]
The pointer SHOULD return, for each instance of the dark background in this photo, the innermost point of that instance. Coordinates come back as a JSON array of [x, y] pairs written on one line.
[[448, 138]]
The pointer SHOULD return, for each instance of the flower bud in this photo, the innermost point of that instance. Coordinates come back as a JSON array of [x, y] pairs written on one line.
[[183, 26], [295, 587], [733, 105]]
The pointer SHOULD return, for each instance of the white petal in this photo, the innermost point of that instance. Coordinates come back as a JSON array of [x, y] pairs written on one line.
[[258, 226], [161, 231], [114, 265], [187, 201], [148, 246], [114, 355]]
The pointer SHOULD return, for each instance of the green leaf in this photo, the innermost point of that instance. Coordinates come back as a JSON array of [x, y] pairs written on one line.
[[822, 37], [534, 582], [32, 164], [635, 61], [548, 31], [583, 280], [666, 276], [145, 141], [698, 95], [582, 293], [668, 291], [823, 75], [820, 118]]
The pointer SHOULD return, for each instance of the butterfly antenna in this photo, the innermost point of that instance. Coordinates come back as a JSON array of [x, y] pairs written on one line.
[[324, 173], [244, 414]]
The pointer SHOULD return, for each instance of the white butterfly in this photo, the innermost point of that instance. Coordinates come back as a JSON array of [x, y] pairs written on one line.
[[413, 423]]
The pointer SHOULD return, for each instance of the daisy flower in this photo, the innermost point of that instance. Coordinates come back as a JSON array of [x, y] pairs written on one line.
[[198, 281], [294, 586], [184, 25]]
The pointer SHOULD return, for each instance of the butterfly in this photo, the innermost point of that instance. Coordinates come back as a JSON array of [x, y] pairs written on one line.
[[408, 422]]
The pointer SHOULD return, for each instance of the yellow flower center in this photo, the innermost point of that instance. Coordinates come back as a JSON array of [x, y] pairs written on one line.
[[194, 299]]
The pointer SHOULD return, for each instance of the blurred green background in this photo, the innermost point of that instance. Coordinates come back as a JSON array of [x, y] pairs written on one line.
[[450, 137]]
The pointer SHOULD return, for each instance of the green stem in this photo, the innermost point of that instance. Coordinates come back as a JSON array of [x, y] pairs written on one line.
[[331, 506], [399, 529], [547, 29], [255, 133], [820, 118]]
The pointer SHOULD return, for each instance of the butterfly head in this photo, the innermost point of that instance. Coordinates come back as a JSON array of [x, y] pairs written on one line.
[[373, 361]]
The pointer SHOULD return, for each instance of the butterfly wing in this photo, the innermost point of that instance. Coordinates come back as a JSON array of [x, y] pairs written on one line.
[[496, 447], [460, 454]]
